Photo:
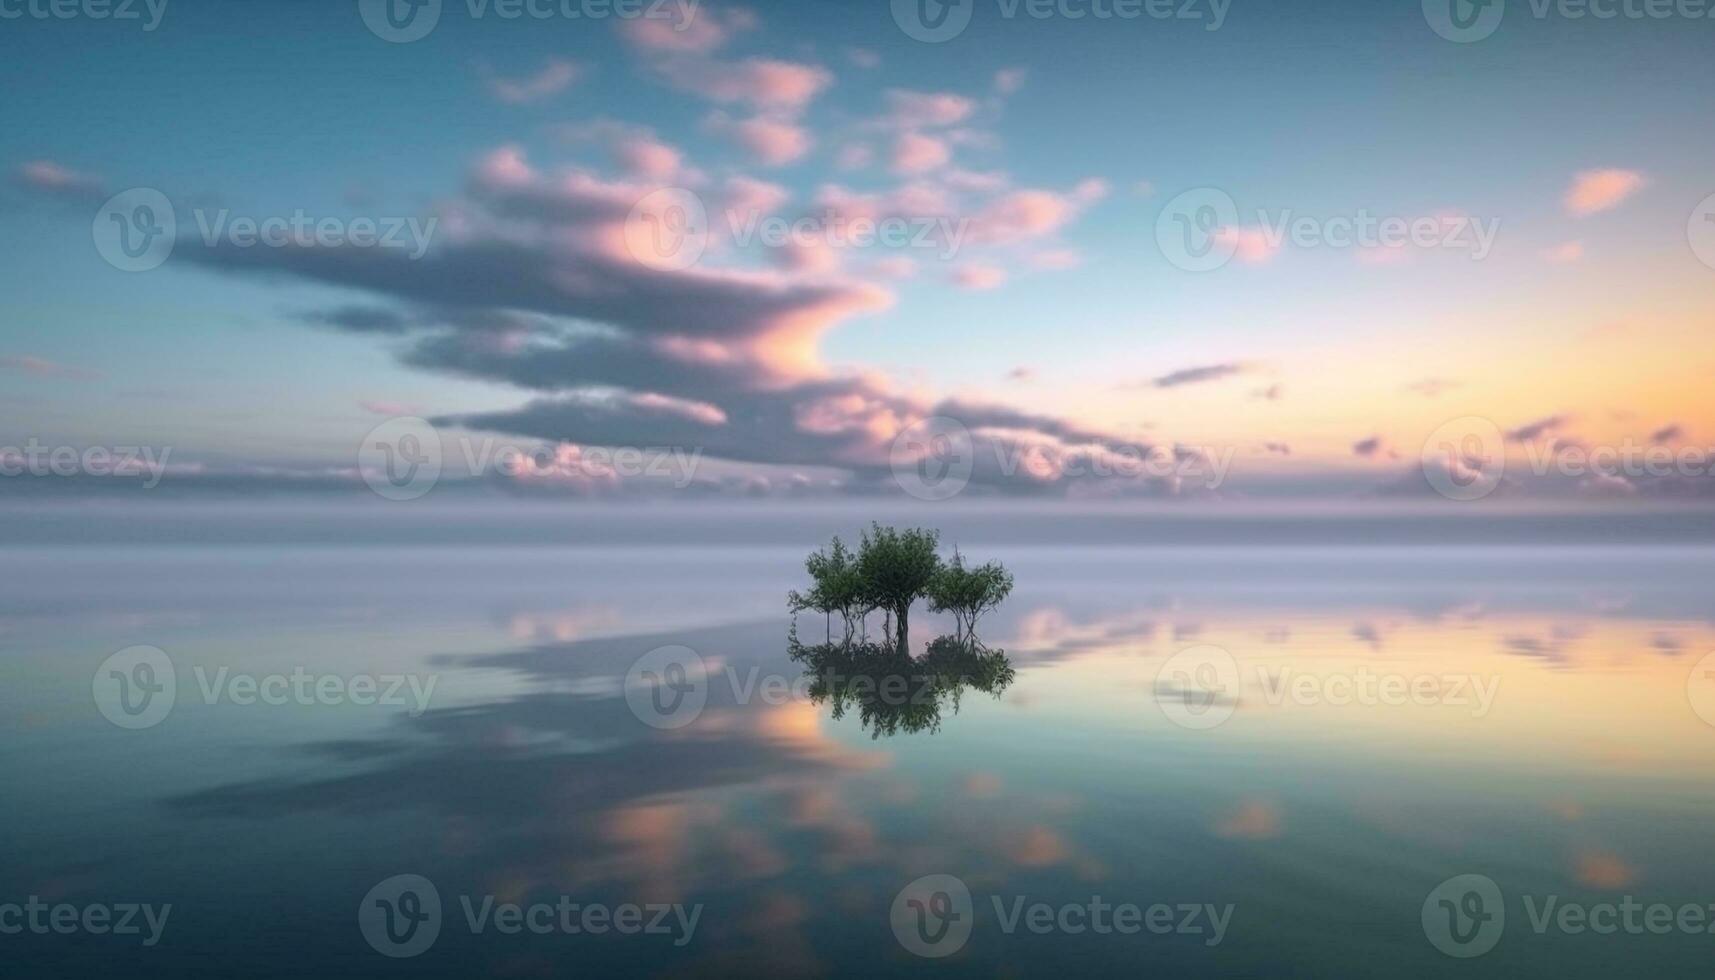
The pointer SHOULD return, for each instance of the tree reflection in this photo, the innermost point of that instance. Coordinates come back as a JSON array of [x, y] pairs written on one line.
[[895, 692]]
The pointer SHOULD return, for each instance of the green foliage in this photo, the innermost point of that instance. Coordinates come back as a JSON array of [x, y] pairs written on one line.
[[896, 568], [967, 593], [838, 587], [890, 570]]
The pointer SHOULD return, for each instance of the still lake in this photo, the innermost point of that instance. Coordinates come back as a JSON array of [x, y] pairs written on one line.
[[1270, 757]]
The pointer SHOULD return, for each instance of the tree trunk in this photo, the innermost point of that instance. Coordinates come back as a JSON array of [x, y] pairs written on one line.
[[901, 618]]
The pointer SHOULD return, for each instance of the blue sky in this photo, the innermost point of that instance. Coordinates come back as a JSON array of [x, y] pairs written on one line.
[[270, 108]]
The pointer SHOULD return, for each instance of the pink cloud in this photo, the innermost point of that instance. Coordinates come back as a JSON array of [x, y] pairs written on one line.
[[770, 142], [854, 156], [1009, 80], [906, 108], [46, 175], [43, 368], [696, 30], [643, 156], [1600, 190], [751, 196], [1252, 821], [1565, 253], [915, 153], [1248, 244], [390, 409], [555, 77], [1031, 213], [894, 267], [762, 83], [979, 276]]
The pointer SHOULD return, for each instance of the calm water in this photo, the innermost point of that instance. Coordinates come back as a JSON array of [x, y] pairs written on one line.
[[1389, 718]]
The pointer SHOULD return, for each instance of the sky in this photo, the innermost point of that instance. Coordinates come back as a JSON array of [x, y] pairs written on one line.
[[1125, 262]]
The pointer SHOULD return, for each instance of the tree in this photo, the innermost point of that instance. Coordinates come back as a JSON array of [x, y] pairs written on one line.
[[967, 593], [895, 568], [838, 587]]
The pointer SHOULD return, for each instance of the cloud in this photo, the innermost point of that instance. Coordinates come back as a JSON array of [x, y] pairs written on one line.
[[555, 77], [1198, 375], [58, 180], [1368, 448], [1538, 428], [1009, 80], [533, 286], [41, 368], [1431, 387], [915, 153], [770, 142], [1565, 253], [978, 276], [1021, 374], [1252, 245], [647, 158], [761, 83], [1271, 393], [863, 58], [909, 109], [1600, 190], [697, 29], [1671, 432], [1278, 448], [1026, 214], [390, 409]]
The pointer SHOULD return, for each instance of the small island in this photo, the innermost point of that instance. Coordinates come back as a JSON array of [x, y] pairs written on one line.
[[888, 573]]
